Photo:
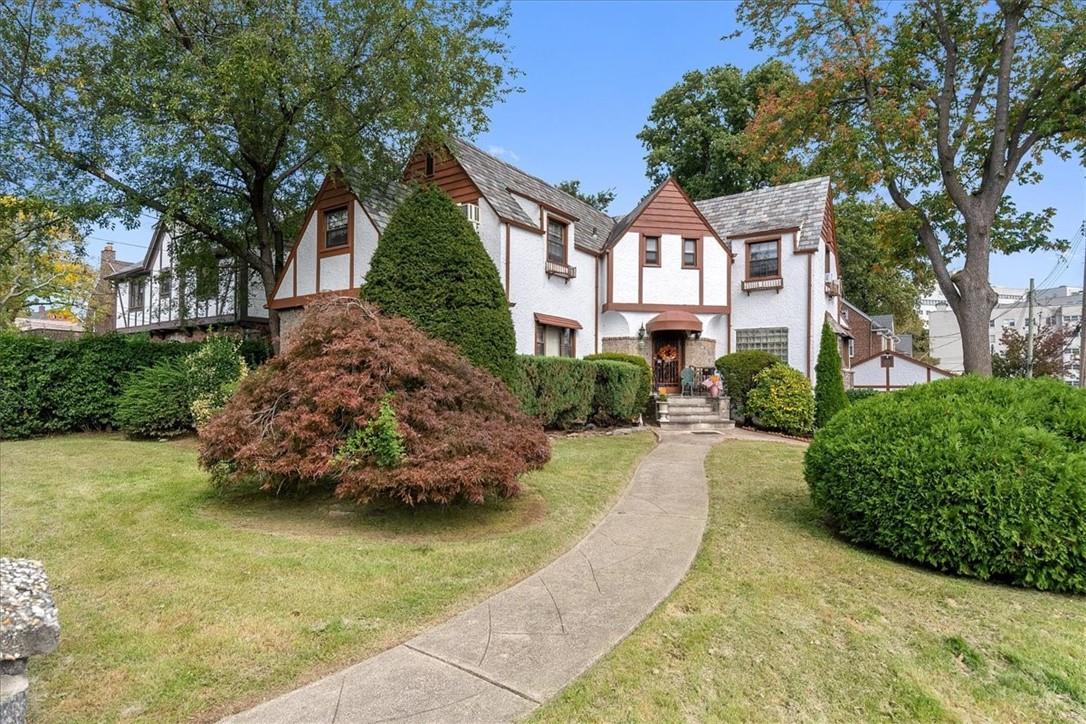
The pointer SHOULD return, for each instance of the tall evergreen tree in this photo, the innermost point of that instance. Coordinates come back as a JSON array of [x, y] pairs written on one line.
[[431, 268], [830, 395]]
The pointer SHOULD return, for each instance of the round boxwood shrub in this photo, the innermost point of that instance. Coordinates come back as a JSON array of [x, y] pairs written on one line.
[[368, 404], [431, 268], [739, 370], [156, 402], [976, 476], [782, 400]]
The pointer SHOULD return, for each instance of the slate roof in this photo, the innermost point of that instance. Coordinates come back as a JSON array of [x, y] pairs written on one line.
[[496, 178], [801, 204], [883, 321], [379, 202], [118, 269]]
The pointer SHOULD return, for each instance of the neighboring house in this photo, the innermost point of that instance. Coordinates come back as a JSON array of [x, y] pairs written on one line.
[[891, 370], [1052, 307], [870, 334], [156, 297], [41, 323], [678, 282]]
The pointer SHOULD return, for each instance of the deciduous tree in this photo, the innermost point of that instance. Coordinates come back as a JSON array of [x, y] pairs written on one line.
[[695, 131], [224, 116], [1049, 344], [599, 200], [944, 103]]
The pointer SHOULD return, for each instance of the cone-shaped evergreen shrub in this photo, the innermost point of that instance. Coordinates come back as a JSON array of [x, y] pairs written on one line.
[[829, 386], [369, 404], [977, 476], [431, 268]]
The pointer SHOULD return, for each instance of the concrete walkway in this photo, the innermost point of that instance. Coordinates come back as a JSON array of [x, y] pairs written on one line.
[[499, 660]]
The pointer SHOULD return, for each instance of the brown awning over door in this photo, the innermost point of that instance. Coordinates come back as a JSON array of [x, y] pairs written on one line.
[[674, 321], [552, 321]]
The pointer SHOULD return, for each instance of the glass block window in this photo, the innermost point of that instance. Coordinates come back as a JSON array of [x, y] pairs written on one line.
[[768, 339]]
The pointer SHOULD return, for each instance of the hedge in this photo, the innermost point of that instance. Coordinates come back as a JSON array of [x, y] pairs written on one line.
[[645, 393], [975, 476], [50, 386], [861, 393], [431, 268], [782, 400], [156, 401], [618, 394], [557, 391], [739, 370]]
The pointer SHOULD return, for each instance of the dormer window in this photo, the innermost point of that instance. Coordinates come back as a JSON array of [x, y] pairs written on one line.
[[335, 227], [556, 241], [764, 259], [690, 253], [429, 164], [652, 251]]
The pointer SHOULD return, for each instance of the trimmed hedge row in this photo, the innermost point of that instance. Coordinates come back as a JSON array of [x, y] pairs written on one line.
[[642, 364], [559, 391], [50, 386], [976, 476]]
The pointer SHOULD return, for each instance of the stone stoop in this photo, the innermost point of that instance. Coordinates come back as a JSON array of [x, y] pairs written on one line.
[[697, 413]]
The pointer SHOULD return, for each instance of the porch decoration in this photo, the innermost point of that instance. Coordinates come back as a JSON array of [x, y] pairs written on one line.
[[662, 407], [667, 353]]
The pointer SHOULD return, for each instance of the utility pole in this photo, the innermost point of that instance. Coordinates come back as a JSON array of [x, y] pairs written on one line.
[[1029, 331]]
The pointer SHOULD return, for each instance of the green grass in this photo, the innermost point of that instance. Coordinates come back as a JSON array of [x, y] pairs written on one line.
[[177, 605], [780, 621]]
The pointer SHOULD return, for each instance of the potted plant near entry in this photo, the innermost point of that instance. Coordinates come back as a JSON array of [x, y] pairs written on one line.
[[661, 406]]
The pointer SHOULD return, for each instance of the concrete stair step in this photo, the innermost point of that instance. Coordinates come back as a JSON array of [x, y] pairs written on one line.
[[693, 426]]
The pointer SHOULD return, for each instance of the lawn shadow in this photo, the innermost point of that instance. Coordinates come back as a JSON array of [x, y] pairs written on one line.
[[321, 515]]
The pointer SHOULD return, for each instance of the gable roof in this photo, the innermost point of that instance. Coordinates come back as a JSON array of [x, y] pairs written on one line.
[[379, 201], [498, 181], [801, 204], [122, 269], [625, 223]]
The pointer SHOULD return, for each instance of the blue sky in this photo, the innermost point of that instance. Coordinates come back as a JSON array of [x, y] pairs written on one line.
[[591, 71]]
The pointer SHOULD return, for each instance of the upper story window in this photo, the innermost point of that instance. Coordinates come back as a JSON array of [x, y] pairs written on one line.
[[690, 252], [335, 227], [207, 282], [652, 251], [137, 292], [165, 284], [429, 164], [471, 211], [556, 241], [764, 259]]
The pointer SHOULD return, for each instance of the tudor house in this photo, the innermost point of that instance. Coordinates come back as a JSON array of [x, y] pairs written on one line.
[[155, 296], [678, 282]]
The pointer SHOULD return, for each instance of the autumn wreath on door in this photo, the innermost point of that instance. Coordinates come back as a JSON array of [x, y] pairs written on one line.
[[667, 353]]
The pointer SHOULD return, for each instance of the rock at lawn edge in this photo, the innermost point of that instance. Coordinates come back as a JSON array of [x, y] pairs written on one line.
[[28, 615]]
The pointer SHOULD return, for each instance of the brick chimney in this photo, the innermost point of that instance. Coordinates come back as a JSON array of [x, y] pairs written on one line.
[[103, 307]]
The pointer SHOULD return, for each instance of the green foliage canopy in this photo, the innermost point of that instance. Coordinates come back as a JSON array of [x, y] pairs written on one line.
[[695, 130]]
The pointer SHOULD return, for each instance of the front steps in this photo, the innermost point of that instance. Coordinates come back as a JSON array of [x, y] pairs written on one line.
[[697, 413]]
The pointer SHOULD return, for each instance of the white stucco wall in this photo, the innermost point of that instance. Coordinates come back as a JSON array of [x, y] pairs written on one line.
[[905, 372]]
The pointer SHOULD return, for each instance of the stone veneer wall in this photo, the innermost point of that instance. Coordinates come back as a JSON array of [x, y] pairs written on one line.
[[289, 319], [699, 352]]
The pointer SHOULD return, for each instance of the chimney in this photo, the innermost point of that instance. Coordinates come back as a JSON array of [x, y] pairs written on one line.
[[108, 257]]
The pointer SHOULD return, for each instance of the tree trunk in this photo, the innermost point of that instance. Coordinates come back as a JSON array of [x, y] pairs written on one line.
[[975, 302], [268, 278]]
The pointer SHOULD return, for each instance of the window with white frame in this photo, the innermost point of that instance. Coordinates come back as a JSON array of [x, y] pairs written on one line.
[[851, 347], [137, 289], [471, 211], [767, 339]]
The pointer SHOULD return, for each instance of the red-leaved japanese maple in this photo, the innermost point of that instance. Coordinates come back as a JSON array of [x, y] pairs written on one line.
[[463, 433]]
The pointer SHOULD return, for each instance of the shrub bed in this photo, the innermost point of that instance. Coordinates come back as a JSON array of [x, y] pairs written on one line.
[[980, 477], [861, 393], [739, 370], [317, 416], [645, 393], [557, 391], [782, 400]]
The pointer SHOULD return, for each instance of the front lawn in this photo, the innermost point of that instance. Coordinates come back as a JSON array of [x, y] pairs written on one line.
[[778, 620], [175, 604]]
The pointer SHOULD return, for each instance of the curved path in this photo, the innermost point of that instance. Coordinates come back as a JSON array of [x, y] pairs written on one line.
[[502, 658]]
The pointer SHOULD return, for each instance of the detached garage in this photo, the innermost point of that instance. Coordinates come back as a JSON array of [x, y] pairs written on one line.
[[893, 370]]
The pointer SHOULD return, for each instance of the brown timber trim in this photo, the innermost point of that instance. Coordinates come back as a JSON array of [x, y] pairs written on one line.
[[610, 277], [764, 235], [596, 311], [693, 308], [336, 203], [780, 262], [301, 301], [902, 355]]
